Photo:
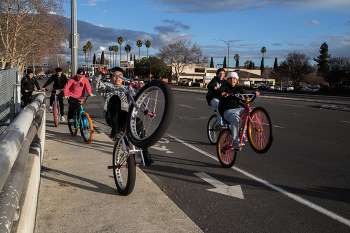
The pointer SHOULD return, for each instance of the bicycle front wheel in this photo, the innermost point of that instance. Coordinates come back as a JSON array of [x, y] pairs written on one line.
[[72, 127], [260, 130], [226, 154], [144, 130], [86, 128], [125, 168], [213, 129], [55, 114]]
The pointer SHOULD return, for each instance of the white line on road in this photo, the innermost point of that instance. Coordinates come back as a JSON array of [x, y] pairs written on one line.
[[290, 195], [346, 121], [186, 106]]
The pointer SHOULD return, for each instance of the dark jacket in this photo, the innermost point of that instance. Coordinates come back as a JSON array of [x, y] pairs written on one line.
[[231, 101], [28, 84], [58, 83], [215, 82]]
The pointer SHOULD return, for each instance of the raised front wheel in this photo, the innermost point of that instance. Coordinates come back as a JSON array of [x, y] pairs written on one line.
[[260, 130]]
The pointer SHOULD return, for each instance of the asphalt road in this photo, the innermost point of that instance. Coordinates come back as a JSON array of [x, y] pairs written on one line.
[[301, 185]]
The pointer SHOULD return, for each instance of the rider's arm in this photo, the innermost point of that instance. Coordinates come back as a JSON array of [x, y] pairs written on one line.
[[97, 84], [48, 82], [212, 84]]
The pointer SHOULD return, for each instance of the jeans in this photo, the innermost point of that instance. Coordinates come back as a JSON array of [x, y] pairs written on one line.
[[215, 103], [233, 115]]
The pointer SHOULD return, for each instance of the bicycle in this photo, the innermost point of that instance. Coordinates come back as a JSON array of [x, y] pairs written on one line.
[[259, 128], [83, 122], [56, 106], [214, 128], [148, 118]]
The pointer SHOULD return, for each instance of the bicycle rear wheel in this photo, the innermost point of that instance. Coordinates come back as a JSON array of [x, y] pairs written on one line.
[[125, 168], [260, 130], [86, 128], [142, 129], [55, 114], [213, 129], [72, 127], [225, 152]]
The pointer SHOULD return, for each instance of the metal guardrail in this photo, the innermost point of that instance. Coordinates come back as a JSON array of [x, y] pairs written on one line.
[[14, 149]]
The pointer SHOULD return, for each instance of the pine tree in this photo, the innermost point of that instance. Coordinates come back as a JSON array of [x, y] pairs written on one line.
[[224, 64], [262, 66], [102, 58], [322, 60], [211, 63], [275, 65]]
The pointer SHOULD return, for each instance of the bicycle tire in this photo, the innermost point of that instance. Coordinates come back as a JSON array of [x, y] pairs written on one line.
[[86, 128], [142, 130], [56, 116], [225, 152], [72, 127], [213, 130], [260, 130], [125, 171]]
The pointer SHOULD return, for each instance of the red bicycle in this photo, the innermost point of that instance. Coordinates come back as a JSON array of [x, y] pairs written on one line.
[[257, 123]]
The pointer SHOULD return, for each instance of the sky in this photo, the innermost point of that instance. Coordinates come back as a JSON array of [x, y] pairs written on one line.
[[281, 26]]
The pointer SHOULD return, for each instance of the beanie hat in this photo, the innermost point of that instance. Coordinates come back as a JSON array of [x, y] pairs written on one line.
[[58, 70], [232, 75], [29, 72], [81, 73]]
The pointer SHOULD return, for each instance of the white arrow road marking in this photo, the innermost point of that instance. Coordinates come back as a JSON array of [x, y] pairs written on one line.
[[290, 195], [163, 148], [234, 191]]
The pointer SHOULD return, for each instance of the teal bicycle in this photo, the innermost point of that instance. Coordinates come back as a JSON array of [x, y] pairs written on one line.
[[83, 122]]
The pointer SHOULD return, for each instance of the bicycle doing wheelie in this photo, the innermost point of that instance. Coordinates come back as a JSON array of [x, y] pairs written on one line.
[[257, 123], [83, 122], [149, 116], [56, 106]]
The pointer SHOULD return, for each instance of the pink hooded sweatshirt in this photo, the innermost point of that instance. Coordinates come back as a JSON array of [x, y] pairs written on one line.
[[76, 89]]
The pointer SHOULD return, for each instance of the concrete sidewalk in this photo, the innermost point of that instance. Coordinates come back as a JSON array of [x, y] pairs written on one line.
[[78, 194]]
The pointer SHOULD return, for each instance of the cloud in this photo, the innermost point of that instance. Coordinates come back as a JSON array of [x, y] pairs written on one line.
[[276, 44], [293, 44], [312, 22], [173, 26], [209, 6], [92, 2]]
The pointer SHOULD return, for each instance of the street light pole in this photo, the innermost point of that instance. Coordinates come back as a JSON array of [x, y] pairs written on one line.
[[228, 58]]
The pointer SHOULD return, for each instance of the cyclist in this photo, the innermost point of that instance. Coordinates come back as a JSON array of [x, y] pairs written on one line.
[[229, 105], [59, 81], [27, 87], [213, 95], [116, 104], [74, 91]]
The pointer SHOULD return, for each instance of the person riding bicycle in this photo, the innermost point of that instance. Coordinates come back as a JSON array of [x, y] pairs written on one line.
[[229, 106], [116, 104], [74, 91], [27, 87], [213, 95], [59, 81]]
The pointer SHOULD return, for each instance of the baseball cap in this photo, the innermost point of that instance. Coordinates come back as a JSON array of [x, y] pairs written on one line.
[[232, 75], [81, 73]]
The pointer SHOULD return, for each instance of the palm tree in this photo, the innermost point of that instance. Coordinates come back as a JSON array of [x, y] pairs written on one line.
[[115, 47], [90, 48], [120, 41], [139, 44], [236, 57], [110, 48], [85, 49], [263, 50], [127, 50], [148, 44]]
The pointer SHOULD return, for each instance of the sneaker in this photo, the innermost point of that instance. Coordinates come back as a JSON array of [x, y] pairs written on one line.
[[50, 109], [148, 160], [237, 147], [71, 120], [114, 136], [63, 119]]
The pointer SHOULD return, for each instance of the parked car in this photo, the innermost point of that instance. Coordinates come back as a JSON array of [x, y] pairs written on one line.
[[277, 87], [290, 87], [262, 88]]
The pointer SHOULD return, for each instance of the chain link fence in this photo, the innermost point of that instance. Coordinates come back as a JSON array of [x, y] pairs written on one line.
[[9, 96]]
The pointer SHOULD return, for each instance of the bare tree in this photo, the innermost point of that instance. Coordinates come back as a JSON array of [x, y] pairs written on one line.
[[295, 67], [181, 54], [30, 31]]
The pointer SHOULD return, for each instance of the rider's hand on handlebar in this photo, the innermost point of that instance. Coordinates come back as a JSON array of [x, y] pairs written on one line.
[[257, 93], [224, 94], [91, 95]]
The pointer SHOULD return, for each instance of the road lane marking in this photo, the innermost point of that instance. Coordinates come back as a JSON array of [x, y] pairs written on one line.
[[233, 191], [288, 194], [346, 121], [186, 106]]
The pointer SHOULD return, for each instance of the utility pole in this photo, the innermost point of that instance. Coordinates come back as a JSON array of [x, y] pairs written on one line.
[[74, 38]]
